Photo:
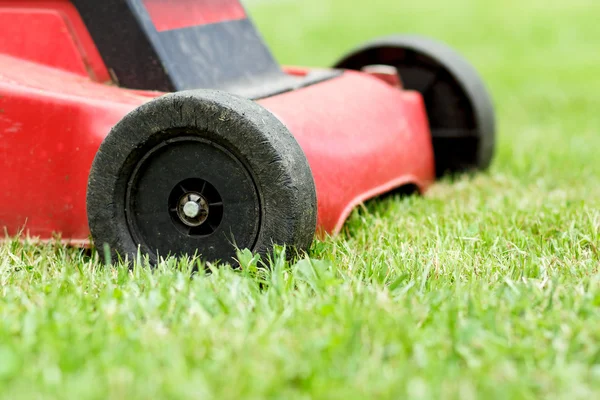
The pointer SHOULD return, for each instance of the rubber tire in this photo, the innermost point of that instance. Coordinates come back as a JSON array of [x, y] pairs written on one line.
[[275, 161], [457, 101]]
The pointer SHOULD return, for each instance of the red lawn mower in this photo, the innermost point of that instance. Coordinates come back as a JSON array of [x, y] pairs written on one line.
[[167, 126]]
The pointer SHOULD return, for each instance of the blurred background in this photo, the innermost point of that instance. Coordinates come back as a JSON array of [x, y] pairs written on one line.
[[539, 58]]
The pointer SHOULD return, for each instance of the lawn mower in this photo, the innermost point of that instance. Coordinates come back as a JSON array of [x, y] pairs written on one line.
[[167, 128]]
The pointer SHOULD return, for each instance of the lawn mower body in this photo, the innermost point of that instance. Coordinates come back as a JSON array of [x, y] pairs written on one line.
[[361, 133]]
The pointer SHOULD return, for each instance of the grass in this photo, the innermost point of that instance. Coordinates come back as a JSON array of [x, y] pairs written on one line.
[[488, 287]]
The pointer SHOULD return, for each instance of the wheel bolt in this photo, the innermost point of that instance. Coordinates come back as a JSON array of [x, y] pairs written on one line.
[[191, 209]]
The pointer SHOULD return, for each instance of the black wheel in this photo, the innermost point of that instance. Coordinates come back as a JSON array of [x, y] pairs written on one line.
[[198, 173], [460, 109]]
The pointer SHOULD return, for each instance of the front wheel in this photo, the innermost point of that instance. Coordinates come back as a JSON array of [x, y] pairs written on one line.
[[459, 107], [200, 173]]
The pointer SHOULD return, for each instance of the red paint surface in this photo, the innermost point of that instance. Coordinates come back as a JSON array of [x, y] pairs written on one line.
[[51, 125], [363, 137], [50, 32], [169, 15]]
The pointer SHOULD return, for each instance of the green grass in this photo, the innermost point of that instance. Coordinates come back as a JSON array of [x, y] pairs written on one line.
[[488, 287]]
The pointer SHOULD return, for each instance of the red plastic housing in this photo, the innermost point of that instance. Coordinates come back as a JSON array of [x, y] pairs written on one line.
[[362, 134]]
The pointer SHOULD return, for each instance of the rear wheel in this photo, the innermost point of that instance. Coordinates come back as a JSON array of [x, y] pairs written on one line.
[[459, 107], [200, 173]]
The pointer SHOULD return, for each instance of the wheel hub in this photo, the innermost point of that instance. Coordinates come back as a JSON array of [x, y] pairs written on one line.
[[196, 207], [189, 195]]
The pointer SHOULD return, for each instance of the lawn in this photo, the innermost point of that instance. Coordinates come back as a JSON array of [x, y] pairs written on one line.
[[487, 287]]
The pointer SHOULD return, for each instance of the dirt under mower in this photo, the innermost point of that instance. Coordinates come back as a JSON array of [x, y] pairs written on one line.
[[167, 127]]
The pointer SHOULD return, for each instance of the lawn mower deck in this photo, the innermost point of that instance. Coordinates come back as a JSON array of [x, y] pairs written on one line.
[[167, 127]]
